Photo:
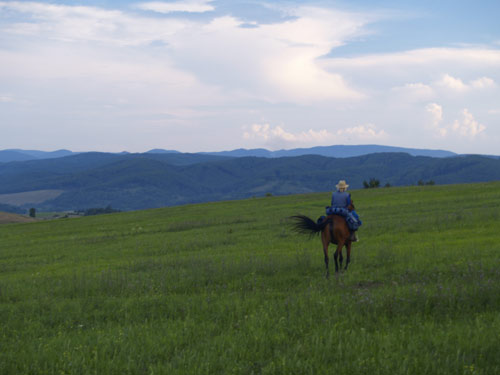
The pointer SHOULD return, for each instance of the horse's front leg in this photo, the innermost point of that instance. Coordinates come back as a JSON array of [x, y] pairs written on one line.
[[338, 255]]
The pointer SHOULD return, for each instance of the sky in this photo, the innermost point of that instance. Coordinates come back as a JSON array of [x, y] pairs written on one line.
[[201, 75]]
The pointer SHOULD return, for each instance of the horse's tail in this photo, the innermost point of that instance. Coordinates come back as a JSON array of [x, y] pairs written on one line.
[[303, 224]]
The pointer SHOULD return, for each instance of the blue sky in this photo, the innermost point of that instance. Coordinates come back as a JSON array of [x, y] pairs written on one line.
[[198, 75]]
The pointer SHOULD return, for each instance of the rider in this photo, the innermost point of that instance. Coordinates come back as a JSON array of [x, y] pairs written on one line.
[[342, 199]]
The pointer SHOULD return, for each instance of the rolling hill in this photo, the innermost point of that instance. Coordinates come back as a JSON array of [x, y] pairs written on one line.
[[137, 181], [9, 218]]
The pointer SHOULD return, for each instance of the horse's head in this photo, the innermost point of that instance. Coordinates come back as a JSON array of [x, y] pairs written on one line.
[[351, 206]]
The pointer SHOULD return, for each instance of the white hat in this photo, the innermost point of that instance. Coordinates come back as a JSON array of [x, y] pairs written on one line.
[[341, 185]]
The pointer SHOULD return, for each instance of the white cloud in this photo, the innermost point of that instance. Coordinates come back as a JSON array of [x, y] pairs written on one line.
[[436, 71], [452, 83], [279, 136], [267, 133], [291, 62], [422, 57], [458, 85], [275, 62], [436, 113], [415, 91], [363, 132], [74, 24], [6, 99], [483, 82], [191, 6], [468, 126]]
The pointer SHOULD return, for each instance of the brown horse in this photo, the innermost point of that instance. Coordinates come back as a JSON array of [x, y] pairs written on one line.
[[333, 230]]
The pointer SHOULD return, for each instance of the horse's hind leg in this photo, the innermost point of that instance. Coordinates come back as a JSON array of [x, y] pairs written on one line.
[[325, 242], [348, 260], [338, 253]]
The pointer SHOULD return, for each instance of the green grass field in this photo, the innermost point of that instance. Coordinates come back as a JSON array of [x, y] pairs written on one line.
[[228, 288]]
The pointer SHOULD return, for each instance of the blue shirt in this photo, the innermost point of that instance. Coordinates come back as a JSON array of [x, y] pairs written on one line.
[[341, 199]]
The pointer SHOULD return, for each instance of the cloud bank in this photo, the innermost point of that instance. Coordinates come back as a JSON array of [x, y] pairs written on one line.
[[189, 75], [277, 135]]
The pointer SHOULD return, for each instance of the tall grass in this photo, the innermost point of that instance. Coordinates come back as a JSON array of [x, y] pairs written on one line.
[[229, 288]]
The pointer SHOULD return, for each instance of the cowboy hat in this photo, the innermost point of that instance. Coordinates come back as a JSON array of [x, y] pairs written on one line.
[[341, 185]]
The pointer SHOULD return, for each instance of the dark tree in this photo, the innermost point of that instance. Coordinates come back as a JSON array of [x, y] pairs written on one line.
[[100, 210], [374, 183], [32, 212]]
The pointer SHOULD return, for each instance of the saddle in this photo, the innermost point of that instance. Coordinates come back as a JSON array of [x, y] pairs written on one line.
[[352, 219]]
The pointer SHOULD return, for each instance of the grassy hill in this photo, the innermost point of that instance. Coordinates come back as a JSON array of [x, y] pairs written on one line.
[[227, 287], [8, 218]]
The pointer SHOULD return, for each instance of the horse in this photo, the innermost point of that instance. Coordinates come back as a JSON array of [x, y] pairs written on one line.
[[334, 230]]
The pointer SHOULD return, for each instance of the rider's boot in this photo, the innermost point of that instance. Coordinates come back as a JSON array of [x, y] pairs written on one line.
[[354, 237]]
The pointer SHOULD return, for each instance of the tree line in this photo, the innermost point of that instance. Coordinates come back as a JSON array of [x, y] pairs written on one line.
[[375, 183]]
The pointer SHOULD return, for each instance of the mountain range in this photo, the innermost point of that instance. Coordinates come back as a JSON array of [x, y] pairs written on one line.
[[161, 178], [336, 151]]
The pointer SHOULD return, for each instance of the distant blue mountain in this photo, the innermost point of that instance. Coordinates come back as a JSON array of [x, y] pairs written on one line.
[[47, 154], [242, 152], [337, 151], [161, 151], [7, 156], [23, 155]]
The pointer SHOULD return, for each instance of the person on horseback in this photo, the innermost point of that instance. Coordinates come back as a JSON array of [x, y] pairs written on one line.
[[342, 199]]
